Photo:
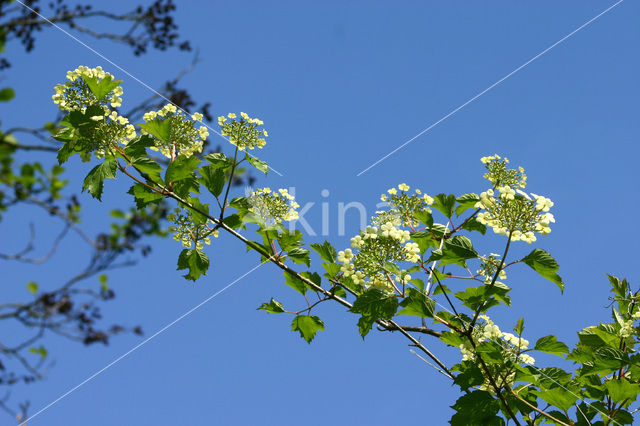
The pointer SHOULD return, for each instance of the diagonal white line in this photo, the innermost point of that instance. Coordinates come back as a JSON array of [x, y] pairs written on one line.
[[491, 87], [136, 347], [76, 39]]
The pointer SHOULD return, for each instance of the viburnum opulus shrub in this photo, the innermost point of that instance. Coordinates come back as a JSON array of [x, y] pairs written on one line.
[[397, 273]]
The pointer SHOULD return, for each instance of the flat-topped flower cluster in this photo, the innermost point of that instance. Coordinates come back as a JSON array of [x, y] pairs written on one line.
[[513, 348], [273, 206], [244, 132], [188, 232], [507, 208], [184, 138], [385, 241], [75, 94], [402, 204]]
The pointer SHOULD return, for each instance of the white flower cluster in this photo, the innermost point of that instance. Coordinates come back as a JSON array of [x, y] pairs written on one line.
[[499, 175], [402, 205], [76, 95], [187, 232], [376, 246], [243, 133], [513, 346], [627, 329], [273, 207], [111, 128], [488, 266], [184, 139], [508, 209]]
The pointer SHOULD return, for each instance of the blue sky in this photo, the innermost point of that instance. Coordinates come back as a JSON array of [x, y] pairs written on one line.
[[338, 86]]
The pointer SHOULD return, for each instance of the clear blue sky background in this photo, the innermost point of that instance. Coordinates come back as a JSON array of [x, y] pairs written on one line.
[[339, 85]]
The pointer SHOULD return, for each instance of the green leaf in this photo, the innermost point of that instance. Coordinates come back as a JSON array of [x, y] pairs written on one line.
[[218, 160], [542, 262], [473, 225], [299, 255], [479, 297], [620, 288], [476, 408], [466, 202], [424, 216], [136, 148], [452, 338], [313, 277], [233, 221], [391, 268], [273, 307], [519, 327], [196, 261], [100, 88], [161, 129], [332, 269], [39, 351], [144, 195], [491, 351], [607, 360], [32, 287], [325, 250], [149, 167], [558, 397], [181, 168], [295, 282], [307, 325], [373, 305], [258, 164], [622, 391], [454, 251], [7, 94], [289, 240], [445, 204], [551, 345], [184, 187], [338, 291], [425, 240], [418, 283], [417, 304], [470, 375], [589, 338], [199, 212], [213, 178], [94, 181]]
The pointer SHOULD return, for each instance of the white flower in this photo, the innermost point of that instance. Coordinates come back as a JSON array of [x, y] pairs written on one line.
[[543, 204], [507, 193], [149, 116], [357, 242], [526, 359], [371, 232], [345, 256]]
